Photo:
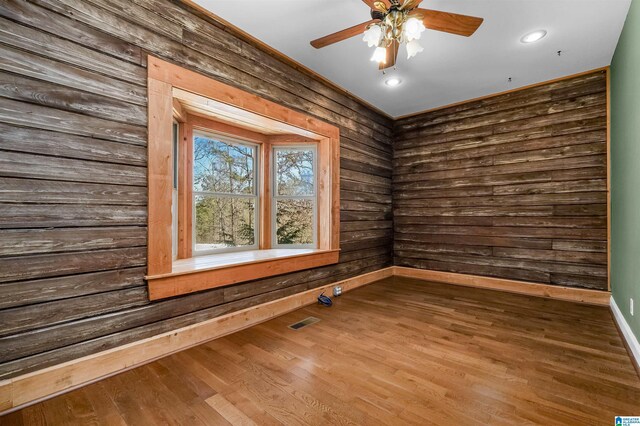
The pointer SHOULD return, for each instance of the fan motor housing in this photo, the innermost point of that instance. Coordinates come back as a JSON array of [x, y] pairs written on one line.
[[376, 14]]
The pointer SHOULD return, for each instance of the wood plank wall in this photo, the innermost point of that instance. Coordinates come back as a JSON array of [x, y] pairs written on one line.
[[73, 172], [512, 186]]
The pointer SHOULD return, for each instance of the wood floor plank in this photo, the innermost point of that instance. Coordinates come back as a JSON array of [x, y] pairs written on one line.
[[229, 411], [399, 351]]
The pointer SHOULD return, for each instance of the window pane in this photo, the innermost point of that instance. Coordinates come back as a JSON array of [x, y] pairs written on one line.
[[294, 171], [223, 222], [222, 167], [294, 221]]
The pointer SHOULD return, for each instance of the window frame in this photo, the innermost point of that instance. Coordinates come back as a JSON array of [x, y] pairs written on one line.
[[175, 196], [229, 140], [171, 87]]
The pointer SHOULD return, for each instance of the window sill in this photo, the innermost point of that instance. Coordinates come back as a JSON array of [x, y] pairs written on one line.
[[217, 270]]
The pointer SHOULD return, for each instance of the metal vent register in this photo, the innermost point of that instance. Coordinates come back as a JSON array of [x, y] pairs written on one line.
[[305, 322]]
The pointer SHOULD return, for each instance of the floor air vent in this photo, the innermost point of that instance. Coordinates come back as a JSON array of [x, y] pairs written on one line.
[[305, 322]]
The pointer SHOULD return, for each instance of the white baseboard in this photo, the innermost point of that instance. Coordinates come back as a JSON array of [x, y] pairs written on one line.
[[627, 334]]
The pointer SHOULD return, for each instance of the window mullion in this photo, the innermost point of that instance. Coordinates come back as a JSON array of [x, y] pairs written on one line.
[[294, 197], [223, 194]]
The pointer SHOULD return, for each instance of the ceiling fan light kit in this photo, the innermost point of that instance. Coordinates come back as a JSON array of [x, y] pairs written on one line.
[[398, 27], [396, 22]]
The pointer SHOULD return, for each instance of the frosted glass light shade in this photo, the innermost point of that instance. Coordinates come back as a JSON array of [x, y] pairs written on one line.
[[413, 48], [379, 55], [372, 35], [413, 28]]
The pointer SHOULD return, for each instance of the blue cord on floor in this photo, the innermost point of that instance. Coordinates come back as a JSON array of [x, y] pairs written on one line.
[[324, 300]]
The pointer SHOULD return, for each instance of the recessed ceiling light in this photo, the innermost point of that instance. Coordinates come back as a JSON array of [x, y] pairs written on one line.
[[392, 82], [534, 36]]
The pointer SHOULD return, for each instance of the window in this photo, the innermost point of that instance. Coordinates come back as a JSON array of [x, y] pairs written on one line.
[[294, 200], [226, 201], [225, 194], [240, 188]]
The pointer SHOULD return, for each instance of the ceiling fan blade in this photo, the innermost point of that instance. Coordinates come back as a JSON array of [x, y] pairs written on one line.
[[410, 4], [372, 4], [449, 22], [341, 35], [392, 55]]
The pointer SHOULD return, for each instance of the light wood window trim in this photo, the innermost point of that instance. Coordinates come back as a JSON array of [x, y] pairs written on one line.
[[163, 279], [265, 196], [159, 251]]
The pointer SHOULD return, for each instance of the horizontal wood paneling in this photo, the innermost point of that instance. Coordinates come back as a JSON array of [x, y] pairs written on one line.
[[513, 186], [51, 265], [64, 215], [73, 176], [52, 240], [13, 164], [71, 146], [30, 115], [32, 292], [64, 28], [53, 95], [68, 76], [56, 192]]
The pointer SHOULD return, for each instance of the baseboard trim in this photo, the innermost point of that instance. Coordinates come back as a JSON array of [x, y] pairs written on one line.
[[629, 339], [591, 297], [30, 388]]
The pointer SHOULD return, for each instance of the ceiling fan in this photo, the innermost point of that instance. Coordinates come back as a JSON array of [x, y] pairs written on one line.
[[394, 22]]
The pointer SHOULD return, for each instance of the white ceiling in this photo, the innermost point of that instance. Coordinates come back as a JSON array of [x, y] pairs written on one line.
[[451, 68]]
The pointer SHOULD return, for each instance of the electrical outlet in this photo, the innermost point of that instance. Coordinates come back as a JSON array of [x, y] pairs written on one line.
[[337, 290], [631, 306]]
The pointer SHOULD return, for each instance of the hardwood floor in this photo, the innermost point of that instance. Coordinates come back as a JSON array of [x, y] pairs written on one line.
[[399, 351]]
